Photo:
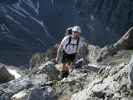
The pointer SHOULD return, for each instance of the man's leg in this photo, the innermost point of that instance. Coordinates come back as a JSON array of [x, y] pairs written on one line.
[[65, 70], [71, 62], [70, 67], [65, 67]]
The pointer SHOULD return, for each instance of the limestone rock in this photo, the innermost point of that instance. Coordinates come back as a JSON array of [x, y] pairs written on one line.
[[5, 76], [50, 69], [130, 73], [45, 93], [125, 43]]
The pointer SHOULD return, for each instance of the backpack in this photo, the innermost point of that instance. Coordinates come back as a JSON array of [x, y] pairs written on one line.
[[69, 41], [69, 31]]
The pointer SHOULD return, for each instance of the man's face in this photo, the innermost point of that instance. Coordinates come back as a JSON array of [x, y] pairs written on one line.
[[76, 34]]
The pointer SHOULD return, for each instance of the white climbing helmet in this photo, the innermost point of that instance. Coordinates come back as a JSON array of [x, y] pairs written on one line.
[[76, 29]]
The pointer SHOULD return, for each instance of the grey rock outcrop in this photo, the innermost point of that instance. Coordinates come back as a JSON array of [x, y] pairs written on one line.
[[50, 69], [106, 52], [93, 52], [112, 85], [36, 60], [125, 42], [12, 87], [36, 93], [109, 82], [45, 93], [130, 73], [22, 95], [5, 76]]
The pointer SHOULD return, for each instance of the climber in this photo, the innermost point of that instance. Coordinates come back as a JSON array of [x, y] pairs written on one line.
[[69, 46]]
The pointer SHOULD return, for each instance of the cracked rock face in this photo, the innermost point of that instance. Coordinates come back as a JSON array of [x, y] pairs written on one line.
[[5, 75], [122, 43], [110, 82]]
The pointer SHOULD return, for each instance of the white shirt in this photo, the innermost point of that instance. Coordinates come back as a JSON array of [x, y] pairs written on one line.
[[70, 49]]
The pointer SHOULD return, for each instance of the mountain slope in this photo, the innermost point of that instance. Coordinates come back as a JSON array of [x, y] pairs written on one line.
[[28, 25], [22, 32]]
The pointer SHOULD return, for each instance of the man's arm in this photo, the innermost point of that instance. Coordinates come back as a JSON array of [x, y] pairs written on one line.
[[59, 52]]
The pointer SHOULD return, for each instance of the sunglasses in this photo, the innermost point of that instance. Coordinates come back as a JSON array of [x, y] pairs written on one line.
[[76, 32]]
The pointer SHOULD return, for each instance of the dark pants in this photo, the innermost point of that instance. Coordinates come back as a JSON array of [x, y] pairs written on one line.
[[68, 58]]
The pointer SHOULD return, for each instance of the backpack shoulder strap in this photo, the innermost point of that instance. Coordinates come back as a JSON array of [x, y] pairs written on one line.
[[77, 44], [69, 41]]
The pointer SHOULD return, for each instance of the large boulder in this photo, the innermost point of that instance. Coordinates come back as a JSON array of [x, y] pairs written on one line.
[[93, 52], [35, 93], [124, 43], [52, 52], [37, 59], [7, 90], [5, 76], [50, 69], [45, 93], [110, 84], [22, 95], [105, 52]]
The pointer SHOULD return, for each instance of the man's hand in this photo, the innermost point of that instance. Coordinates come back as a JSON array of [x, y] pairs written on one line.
[[57, 59]]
